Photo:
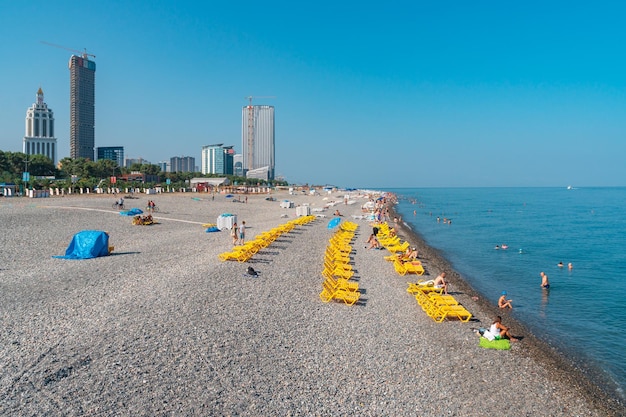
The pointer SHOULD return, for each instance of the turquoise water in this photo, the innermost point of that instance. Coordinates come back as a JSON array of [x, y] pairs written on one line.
[[584, 312]]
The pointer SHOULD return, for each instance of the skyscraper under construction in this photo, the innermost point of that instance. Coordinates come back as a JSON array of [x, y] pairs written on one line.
[[82, 107], [257, 139]]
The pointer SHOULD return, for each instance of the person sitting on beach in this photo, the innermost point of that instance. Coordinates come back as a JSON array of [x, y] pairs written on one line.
[[499, 331], [503, 302], [410, 254], [392, 232], [440, 282], [337, 213], [544, 280], [373, 241]]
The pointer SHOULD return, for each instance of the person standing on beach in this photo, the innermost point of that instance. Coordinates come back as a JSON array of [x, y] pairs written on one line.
[[544, 280], [242, 233], [233, 233]]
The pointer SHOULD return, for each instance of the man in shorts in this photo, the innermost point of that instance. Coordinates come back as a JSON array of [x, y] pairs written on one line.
[[242, 233]]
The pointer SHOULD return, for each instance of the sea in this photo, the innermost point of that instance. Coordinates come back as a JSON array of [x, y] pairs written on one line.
[[583, 313]]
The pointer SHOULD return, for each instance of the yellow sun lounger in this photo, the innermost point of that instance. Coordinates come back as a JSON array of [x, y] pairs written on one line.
[[329, 293]]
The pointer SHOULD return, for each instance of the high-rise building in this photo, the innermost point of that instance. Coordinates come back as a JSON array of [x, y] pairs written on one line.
[[238, 165], [183, 164], [164, 165], [114, 153], [217, 159], [39, 132], [128, 162], [82, 107], [257, 138]]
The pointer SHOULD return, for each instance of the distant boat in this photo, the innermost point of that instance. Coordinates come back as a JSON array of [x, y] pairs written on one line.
[[569, 187]]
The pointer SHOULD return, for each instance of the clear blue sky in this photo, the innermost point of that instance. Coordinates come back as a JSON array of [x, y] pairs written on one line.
[[368, 94]]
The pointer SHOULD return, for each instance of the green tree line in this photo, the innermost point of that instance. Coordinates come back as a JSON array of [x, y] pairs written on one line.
[[84, 173]]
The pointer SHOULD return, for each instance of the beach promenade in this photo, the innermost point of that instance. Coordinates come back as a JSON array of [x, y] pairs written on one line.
[[162, 327]]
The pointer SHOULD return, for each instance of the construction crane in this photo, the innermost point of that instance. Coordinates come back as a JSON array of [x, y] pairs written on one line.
[[251, 129], [83, 54]]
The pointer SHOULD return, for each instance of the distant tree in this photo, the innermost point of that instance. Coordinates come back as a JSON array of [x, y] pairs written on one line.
[[41, 165], [106, 168], [150, 169]]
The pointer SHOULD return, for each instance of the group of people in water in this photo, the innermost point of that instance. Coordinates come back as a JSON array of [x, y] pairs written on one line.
[[504, 302]]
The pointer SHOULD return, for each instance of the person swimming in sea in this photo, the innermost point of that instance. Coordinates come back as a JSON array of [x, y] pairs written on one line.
[[544, 280]]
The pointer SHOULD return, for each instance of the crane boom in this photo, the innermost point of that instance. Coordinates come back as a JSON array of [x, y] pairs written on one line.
[[84, 53]]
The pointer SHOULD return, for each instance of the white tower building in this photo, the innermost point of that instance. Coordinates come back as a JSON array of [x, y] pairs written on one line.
[[39, 137]]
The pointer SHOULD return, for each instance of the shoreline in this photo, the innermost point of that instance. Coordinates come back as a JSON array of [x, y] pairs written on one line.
[[162, 327], [598, 389]]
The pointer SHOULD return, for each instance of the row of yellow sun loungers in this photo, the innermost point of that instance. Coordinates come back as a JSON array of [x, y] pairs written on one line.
[[243, 253], [395, 246], [430, 298], [437, 305], [337, 268]]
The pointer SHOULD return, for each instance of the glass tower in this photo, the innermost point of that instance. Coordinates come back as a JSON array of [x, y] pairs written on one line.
[[82, 107]]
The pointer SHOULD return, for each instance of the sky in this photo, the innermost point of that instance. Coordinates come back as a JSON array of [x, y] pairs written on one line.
[[366, 94]]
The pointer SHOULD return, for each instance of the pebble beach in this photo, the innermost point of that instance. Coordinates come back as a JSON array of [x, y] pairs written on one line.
[[162, 327]]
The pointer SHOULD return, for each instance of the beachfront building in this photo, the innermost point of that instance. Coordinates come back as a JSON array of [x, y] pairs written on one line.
[[114, 153], [39, 131], [262, 173], [257, 138], [82, 107], [217, 159], [238, 165], [183, 164]]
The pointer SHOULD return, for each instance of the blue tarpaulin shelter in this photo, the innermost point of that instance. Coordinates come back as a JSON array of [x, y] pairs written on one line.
[[87, 244], [131, 212]]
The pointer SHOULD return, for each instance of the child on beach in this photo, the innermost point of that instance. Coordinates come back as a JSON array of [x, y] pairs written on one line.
[[233, 233], [373, 241]]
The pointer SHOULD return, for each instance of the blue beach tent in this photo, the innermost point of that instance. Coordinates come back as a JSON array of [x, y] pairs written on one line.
[[334, 222], [87, 244]]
